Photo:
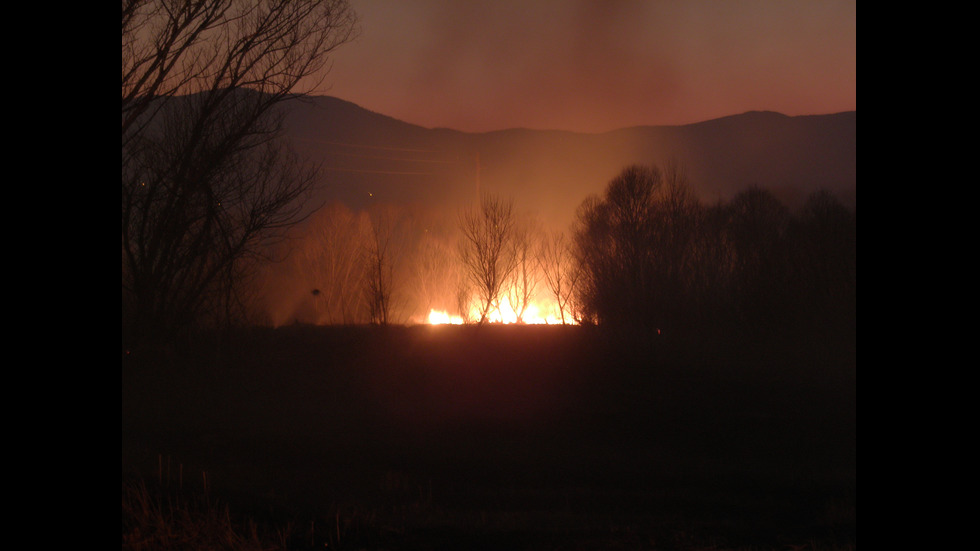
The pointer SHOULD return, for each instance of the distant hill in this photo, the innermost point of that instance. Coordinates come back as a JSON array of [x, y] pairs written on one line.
[[368, 156]]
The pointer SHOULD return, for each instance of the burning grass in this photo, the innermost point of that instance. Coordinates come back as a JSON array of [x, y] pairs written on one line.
[[539, 311]]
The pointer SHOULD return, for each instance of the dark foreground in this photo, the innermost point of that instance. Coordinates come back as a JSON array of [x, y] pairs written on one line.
[[505, 437]]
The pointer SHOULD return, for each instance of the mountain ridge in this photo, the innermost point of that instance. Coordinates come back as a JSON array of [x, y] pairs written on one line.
[[744, 114], [369, 157]]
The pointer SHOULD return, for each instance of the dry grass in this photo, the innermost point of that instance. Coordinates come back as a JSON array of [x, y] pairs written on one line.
[[158, 518], [501, 438]]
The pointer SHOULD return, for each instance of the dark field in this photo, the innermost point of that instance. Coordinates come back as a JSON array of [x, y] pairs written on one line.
[[506, 437]]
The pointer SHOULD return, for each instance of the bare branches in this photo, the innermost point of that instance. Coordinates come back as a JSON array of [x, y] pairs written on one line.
[[184, 47], [386, 246], [651, 255], [524, 277], [484, 253], [434, 272], [332, 262], [560, 273], [206, 186], [633, 244]]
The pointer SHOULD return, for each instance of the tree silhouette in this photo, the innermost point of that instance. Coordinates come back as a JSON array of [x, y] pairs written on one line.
[[382, 254], [633, 246], [710, 272], [330, 257], [206, 185], [485, 251], [824, 248], [434, 272], [524, 277], [757, 229], [560, 272], [649, 254]]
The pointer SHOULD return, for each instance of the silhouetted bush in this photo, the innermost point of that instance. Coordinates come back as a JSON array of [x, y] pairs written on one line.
[[757, 227], [652, 256], [824, 238], [635, 246]]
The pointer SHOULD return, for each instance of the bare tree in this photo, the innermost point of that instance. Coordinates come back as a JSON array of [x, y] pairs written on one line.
[[827, 230], [710, 271], [524, 277], [464, 302], [206, 185], [382, 255], [757, 227], [172, 47], [331, 259], [485, 250], [560, 272], [434, 272]]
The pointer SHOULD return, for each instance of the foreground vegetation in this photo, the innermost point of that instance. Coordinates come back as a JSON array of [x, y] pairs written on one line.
[[492, 437]]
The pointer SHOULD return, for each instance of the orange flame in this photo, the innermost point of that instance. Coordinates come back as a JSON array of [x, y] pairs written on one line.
[[537, 312]]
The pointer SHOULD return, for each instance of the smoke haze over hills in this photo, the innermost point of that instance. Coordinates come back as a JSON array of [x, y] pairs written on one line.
[[368, 157], [589, 66]]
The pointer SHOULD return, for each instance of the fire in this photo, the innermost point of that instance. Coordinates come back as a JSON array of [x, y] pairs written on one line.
[[535, 313], [437, 317]]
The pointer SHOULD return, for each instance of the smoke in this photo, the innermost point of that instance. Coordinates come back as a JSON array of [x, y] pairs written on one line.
[[595, 66]]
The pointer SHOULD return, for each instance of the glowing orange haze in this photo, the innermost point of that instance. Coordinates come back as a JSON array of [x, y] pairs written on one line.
[[594, 66]]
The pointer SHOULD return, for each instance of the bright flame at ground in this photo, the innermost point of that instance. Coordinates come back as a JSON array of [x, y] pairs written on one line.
[[533, 314], [443, 318]]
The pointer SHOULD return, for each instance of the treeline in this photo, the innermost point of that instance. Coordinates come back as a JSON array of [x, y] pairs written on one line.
[[647, 252], [651, 254]]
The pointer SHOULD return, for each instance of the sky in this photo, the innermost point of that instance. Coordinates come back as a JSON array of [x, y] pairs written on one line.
[[596, 65]]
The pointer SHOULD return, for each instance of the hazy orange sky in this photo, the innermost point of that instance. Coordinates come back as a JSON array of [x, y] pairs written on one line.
[[596, 65]]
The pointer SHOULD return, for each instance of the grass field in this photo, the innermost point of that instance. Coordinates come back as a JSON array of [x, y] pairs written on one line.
[[498, 437]]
